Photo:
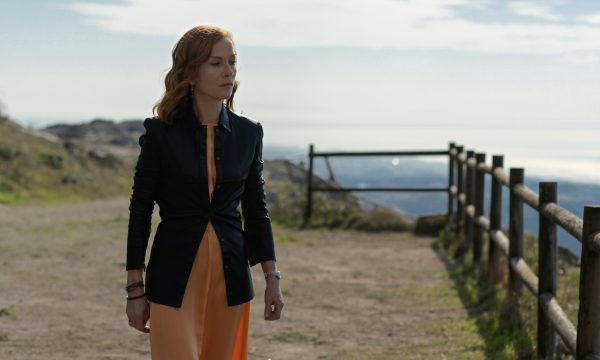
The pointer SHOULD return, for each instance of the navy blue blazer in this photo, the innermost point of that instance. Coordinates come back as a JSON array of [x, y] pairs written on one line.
[[171, 170]]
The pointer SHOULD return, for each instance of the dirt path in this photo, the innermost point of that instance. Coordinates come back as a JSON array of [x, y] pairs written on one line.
[[349, 295]]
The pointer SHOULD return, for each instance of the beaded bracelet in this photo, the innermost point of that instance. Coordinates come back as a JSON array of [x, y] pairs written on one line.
[[135, 297], [134, 286]]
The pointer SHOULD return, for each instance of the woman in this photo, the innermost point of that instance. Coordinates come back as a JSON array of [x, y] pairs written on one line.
[[199, 160]]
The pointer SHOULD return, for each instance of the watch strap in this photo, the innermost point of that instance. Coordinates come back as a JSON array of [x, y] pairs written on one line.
[[275, 273]]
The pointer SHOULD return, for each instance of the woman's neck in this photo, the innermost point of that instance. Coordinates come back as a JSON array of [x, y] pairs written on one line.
[[207, 110]]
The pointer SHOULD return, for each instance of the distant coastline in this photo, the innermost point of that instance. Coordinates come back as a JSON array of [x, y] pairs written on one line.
[[573, 194]]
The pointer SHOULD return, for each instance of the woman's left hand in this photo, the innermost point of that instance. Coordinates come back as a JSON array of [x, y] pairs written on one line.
[[273, 300]]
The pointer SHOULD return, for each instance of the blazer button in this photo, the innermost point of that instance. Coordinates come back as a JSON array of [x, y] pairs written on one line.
[[218, 158]]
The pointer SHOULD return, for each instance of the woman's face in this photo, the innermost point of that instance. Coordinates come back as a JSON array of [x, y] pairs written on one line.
[[216, 76]]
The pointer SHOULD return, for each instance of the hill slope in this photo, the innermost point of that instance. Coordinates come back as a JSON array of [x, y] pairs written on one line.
[[38, 167]]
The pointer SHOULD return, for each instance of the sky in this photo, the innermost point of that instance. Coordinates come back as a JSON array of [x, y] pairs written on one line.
[[519, 78]]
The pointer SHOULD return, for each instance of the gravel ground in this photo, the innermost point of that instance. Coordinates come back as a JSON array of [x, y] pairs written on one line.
[[349, 295]]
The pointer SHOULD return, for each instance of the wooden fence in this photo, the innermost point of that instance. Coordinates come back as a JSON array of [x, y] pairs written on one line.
[[466, 214], [326, 155]]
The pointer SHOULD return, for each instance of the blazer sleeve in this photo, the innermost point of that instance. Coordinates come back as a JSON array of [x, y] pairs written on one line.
[[142, 199], [257, 223]]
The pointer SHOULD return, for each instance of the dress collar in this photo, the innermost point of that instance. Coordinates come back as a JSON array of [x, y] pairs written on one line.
[[223, 118]]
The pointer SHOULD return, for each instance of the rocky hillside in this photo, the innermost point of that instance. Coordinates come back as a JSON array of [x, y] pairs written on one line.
[[100, 132]]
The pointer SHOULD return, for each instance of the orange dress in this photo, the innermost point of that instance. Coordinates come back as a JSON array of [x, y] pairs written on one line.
[[204, 327]]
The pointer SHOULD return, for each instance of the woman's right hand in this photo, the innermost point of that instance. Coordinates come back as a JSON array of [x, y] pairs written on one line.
[[138, 311]]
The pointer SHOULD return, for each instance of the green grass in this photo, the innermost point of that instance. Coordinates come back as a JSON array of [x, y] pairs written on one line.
[[509, 329], [37, 170], [506, 330], [4, 312]]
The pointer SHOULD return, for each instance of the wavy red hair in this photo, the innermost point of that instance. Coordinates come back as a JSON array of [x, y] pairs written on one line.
[[191, 51]]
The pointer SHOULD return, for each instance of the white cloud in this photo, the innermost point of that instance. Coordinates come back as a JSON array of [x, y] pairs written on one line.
[[591, 19], [534, 10], [395, 24]]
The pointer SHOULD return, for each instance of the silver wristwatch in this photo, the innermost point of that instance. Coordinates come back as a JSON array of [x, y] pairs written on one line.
[[275, 273]]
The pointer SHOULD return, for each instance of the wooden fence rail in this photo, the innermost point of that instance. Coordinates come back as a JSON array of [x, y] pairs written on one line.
[[310, 187], [466, 189]]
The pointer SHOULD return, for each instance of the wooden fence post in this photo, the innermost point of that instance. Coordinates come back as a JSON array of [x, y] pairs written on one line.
[[515, 235], [479, 188], [308, 208], [588, 325], [451, 182], [467, 241], [547, 264], [494, 271], [460, 169], [470, 195]]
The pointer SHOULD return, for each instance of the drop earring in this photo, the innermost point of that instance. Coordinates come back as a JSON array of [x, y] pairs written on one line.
[[191, 90]]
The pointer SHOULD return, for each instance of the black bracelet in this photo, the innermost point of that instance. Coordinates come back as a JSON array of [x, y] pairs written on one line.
[[135, 297], [134, 286]]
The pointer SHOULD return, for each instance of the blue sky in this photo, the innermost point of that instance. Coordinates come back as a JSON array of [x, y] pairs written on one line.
[[487, 65]]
